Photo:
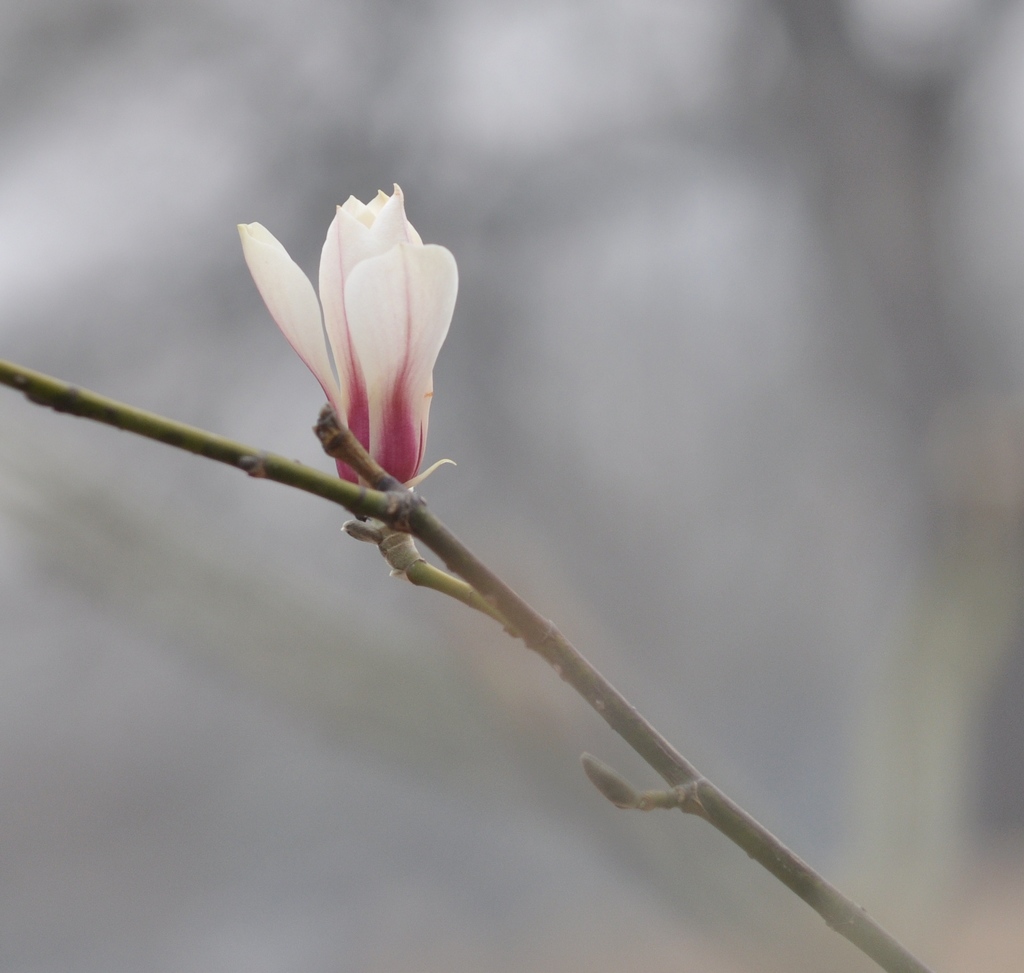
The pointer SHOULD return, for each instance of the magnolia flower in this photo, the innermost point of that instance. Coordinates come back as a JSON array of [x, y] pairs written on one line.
[[387, 302]]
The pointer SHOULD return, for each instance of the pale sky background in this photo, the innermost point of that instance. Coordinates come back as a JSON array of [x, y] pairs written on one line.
[[735, 387]]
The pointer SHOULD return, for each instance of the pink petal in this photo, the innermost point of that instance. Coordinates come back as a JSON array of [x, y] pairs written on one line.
[[398, 307], [356, 233]]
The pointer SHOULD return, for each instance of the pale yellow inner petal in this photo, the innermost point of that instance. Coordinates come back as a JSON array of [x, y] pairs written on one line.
[[376, 204], [357, 209]]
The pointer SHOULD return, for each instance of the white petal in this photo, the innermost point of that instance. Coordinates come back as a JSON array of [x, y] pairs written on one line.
[[391, 226], [290, 298], [410, 230], [377, 203], [385, 216], [399, 306], [332, 297], [348, 242], [357, 209]]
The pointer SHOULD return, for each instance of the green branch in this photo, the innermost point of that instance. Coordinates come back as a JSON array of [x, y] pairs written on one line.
[[403, 511], [63, 397]]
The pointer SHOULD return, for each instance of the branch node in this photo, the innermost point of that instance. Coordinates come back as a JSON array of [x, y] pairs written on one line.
[[688, 798], [685, 797], [622, 794], [63, 401], [544, 641], [402, 504], [399, 550], [255, 465]]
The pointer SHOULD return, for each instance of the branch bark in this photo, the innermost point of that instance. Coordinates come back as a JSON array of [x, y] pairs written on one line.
[[402, 510]]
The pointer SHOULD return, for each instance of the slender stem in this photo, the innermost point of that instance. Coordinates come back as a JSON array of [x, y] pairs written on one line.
[[63, 397], [399, 550], [840, 913], [339, 442], [401, 509], [426, 575]]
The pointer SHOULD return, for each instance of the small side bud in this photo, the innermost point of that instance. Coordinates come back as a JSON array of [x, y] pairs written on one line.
[[614, 787], [362, 531]]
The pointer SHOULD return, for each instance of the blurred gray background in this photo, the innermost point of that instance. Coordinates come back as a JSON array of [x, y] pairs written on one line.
[[735, 387]]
